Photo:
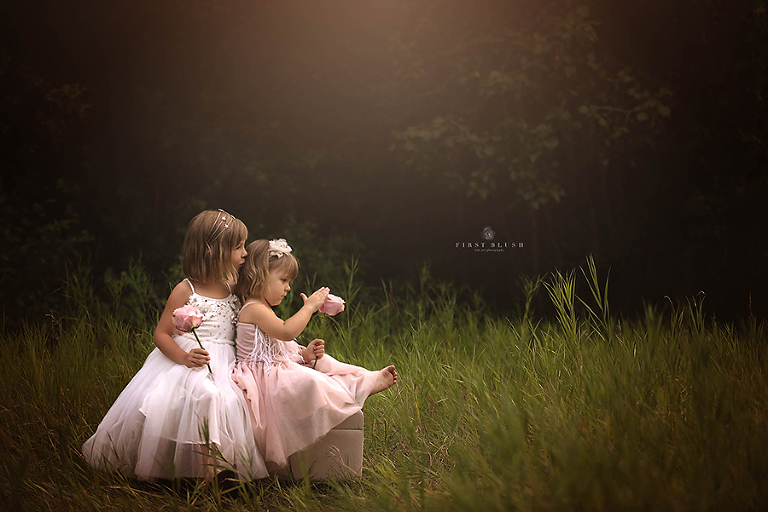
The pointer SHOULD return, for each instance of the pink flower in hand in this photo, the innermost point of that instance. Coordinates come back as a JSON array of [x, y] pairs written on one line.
[[333, 305], [188, 318]]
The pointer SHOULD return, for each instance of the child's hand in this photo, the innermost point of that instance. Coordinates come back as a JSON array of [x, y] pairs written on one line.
[[196, 358], [316, 299], [313, 351]]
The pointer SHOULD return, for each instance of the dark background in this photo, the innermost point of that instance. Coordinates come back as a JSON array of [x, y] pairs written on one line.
[[632, 131]]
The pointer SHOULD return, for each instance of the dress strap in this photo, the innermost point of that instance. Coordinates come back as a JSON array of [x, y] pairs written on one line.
[[190, 284]]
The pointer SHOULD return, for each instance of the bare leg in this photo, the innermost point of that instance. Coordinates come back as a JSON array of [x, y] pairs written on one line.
[[385, 379]]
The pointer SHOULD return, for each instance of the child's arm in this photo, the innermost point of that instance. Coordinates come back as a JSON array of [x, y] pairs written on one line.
[[262, 315], [196, 357]]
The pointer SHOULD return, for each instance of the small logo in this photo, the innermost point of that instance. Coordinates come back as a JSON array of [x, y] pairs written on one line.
[[487, 244]]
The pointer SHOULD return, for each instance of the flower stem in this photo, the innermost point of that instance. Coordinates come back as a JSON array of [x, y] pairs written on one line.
[[201, 346]]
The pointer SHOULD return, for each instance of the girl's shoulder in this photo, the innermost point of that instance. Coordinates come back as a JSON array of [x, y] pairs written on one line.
[[253, 312], [180, 296], [182, 292], [216, 291]]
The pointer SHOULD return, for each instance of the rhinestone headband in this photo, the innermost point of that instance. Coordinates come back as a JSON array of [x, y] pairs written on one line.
[[221, 224]]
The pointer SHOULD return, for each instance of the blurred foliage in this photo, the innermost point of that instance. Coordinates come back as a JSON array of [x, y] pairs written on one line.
[[390, 130], [525, 104], [41, 149]]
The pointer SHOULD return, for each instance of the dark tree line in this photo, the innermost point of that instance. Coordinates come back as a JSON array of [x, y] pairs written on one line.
[[394, 130]]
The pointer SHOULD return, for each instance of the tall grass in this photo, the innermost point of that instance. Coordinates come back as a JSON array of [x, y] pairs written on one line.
[[666, 411]]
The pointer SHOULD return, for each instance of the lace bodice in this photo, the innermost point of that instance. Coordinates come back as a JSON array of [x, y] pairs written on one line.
[[219, 318]]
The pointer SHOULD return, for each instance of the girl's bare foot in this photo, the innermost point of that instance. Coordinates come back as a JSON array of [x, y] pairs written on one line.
[[385, 379]]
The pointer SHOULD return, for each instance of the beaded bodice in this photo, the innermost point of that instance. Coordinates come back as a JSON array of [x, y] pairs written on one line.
[[219, 318]]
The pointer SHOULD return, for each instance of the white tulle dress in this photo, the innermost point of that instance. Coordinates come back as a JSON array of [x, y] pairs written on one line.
[[169, 416], [293, 405]]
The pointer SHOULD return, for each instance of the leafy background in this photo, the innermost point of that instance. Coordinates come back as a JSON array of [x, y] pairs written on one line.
[[392, 131]]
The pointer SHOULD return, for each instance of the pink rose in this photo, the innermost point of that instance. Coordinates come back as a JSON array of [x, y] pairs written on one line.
[[333, 305], [187, 318]]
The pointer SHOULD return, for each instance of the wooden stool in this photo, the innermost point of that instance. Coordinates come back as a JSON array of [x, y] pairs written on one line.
[[338, 455]]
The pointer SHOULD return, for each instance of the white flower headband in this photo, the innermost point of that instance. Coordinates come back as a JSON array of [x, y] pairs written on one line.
[[279, 248]]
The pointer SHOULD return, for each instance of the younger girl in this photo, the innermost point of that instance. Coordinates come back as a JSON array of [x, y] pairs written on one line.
[[174, 419], [292, 405]]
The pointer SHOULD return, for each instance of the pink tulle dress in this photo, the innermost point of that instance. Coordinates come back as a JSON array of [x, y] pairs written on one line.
[[291, 404]]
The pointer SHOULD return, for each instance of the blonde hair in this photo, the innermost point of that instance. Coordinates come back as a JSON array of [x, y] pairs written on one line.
[[252, 280], [207, 250]]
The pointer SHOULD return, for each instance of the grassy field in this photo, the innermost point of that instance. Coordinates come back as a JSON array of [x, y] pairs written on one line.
[[585, 411]]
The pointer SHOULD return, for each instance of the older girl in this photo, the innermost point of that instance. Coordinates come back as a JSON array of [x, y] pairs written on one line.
[[174, 419]]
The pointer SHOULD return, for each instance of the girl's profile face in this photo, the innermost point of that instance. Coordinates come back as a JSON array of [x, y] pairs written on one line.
[[238, 255], [278, 285]]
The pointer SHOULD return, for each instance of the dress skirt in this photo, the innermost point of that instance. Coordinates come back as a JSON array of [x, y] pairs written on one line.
[[171, 421], [293, 405]]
